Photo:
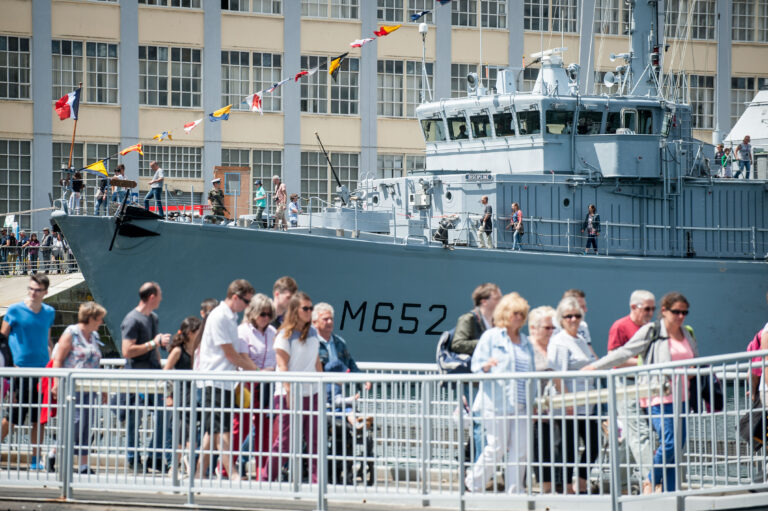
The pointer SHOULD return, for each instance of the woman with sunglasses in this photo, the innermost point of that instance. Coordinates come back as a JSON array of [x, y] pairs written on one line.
[[296, 350], [665, 340], [568, 350], [257, 339]]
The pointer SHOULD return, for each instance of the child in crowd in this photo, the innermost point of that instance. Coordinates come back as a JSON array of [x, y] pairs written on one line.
[[293, 210]]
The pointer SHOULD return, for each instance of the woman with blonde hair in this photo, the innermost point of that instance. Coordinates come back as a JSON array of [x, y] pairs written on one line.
[[296, 350], [500, 403]]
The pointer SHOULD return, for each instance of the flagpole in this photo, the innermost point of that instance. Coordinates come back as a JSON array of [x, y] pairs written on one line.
[[74, 130]]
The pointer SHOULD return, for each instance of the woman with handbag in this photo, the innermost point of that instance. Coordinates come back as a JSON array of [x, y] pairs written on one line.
[[665, 340]]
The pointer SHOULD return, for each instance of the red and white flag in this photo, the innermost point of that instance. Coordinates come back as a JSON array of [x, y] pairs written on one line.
[[254, 102], [301, 74], [67, 106], [191, 125], [359, 43]]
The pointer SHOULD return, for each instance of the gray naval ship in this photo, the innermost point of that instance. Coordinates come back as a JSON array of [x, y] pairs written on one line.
[[398, 258]]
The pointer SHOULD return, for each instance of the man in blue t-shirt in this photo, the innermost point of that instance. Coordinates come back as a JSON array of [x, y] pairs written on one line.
[[27, 325]]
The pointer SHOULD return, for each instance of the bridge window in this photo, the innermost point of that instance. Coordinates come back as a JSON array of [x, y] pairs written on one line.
[[559, 122], [529, 122], [481, 126], [589, 123], [505, 124], [629, 119], [645, 122], [433, 130], [457, 128], [612, 123]]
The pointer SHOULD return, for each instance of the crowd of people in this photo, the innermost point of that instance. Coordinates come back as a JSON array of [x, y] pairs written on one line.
[[28, 254], [289, 332]]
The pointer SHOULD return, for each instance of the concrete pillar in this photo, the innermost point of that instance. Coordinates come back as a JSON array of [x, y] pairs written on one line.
[[443, 59], [42, 116], [586, 57], [211, 89], [128, 81], [368, 97], [515, 24], [292, 98], [723, 77]]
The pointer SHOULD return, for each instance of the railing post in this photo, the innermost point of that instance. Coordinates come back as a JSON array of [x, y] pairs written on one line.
[[607, 238], [177, 394], [568, 233], [754, 243], [426, 424], [394, 225], [69, 435], [460, 433], [614, 444], [322, 450], [295, 440], [192, 447], [310, 214]]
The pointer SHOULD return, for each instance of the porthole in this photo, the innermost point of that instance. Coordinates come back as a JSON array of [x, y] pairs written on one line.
[[375, 199], [448, 195], [566, 202]]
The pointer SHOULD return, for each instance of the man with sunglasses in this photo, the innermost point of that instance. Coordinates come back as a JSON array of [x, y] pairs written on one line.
[[27, 325], [642, 305], [219, 352]]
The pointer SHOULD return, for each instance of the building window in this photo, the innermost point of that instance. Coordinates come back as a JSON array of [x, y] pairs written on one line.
[[235, 158], [344, 91], [464, 13], [565, 16], [267, 70], [762, 22], [416, 6], [682, 24], [529, 78], [235, 78], [599, 85], [413, 85], [390, 88], [743, 20], [67, 65], [703, 20], [60, 159], [186, 4], [184, 75], [459, 74], [494, 13], [101, 72], [316, 177], [16, 179], [257, 6], [702, 94], [95, 152], [742, 93], [14, 68], [389, 166], [390, 10], [339, 9], [536, 15], [183, 162], [265, 165], [607, 17], [414, 163]]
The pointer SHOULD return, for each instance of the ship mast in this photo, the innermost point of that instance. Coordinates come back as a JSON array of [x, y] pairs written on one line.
[[643, 61]]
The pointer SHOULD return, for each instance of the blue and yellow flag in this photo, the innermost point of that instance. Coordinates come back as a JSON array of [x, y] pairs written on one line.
[[97, 167], [222, 114]]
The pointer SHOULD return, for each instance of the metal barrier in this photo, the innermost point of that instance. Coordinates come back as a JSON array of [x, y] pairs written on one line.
[[428, 439], [26, 260]]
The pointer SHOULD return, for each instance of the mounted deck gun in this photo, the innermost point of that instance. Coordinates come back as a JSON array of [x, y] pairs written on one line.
[[340, 188]]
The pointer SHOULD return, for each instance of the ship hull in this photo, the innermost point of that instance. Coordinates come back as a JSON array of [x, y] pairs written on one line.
[[393, 300]]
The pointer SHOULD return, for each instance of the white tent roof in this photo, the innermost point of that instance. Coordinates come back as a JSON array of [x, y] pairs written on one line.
[[754, 122]]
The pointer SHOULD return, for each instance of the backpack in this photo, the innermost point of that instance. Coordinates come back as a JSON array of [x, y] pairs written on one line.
[[5, 350], [450, 362]]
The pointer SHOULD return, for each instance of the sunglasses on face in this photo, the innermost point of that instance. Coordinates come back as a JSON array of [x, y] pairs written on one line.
[[678, 312], [572, 316], [265, 314], [245, 301], [307, 308], [545, 327], [646, 309]]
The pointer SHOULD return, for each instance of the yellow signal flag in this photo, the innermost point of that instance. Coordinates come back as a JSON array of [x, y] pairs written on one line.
[[98, 167], [335, 64]]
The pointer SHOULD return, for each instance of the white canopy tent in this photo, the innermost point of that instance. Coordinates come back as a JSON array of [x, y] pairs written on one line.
[[754, 122]]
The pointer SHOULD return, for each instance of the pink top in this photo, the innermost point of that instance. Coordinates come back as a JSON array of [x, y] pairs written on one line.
[[259, 347], [678, 350]]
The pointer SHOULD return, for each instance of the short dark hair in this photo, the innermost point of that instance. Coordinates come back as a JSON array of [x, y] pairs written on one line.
[[240, 287], [147, 290], [41, 280], [671, 298], [483, 292], [208, 305], [285, 284]]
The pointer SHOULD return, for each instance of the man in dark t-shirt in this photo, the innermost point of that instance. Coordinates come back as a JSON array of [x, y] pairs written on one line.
[[486, 225], [139, 344]]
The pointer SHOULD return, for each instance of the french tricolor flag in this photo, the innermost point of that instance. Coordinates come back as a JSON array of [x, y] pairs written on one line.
[[68, 105]]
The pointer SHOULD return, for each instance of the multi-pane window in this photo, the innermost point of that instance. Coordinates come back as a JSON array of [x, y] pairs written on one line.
[[536, 15], [187, 4], [170, 76], [702, 93], [16, 179], [762, 83], [235, 78], [343, 91], [317, 180], [390, 10], [565, 15], [762, 21], [267, 70], [258, 6], [177, 161], [489, 75], [682, 23], [464, 13], [417, 6], [529, 78], [340, 9], [389, 88], [703, 19], [95, 152], [743, 20], [266, 164], [742, 93], [67, 66], [101, 72], [493, 13], [60, 160], [459, 74], [14, 67], [413, 85], [235, 157], [389, 166], [415, 162], [607, 16]]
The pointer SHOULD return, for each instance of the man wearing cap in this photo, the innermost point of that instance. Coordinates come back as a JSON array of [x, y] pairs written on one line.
[[216, 199], [261, 203], [46, 245]]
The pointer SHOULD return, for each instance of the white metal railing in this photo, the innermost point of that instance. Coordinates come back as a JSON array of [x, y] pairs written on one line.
[[405, 436]]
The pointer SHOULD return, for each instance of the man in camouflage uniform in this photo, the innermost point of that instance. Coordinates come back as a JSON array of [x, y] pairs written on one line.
[[216, 199]]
